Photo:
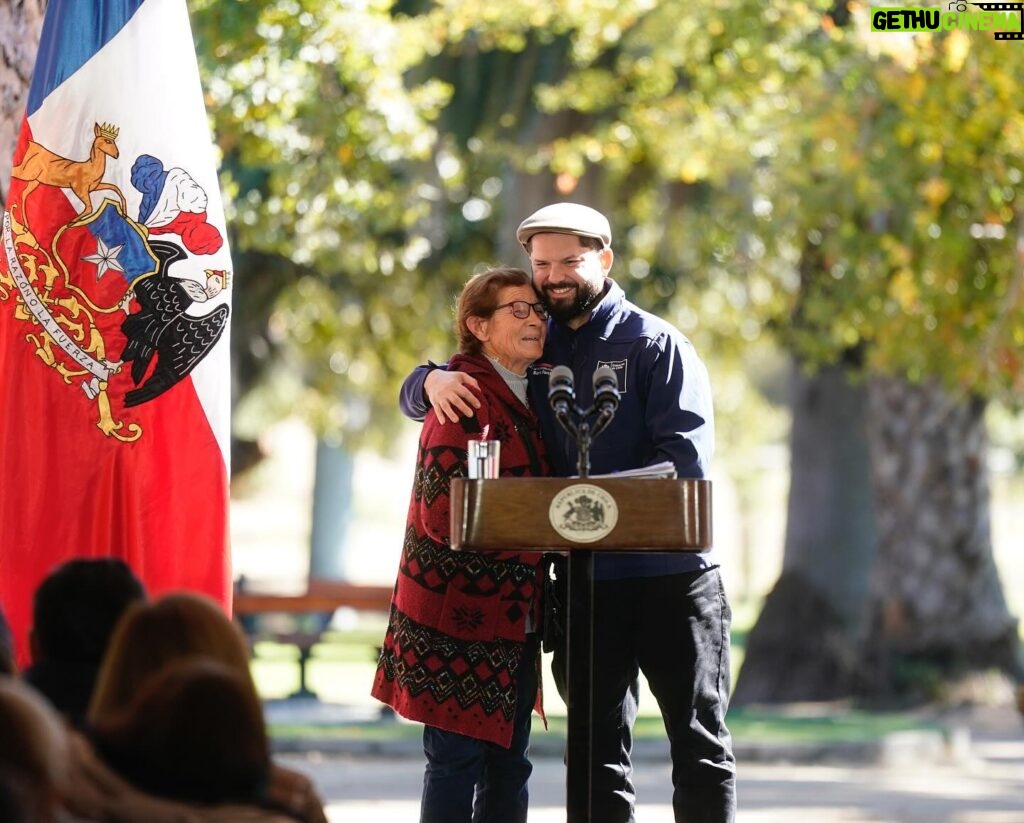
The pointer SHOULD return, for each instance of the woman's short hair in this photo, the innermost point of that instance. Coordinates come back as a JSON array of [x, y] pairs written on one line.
[[479, 298], [194, 732], [152, 634]]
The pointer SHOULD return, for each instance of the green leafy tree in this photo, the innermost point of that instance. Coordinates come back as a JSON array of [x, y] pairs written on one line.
[[775, 167], [902, 193], [772, 170], [327, 165]]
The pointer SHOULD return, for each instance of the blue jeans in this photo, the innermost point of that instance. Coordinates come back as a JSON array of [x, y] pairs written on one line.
[[675, 629], [473, 780]]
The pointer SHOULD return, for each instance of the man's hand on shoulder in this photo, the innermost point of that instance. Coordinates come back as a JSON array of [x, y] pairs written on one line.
[[451, 393]]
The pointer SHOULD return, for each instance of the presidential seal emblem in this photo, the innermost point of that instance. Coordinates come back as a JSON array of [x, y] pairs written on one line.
[[583, 513]]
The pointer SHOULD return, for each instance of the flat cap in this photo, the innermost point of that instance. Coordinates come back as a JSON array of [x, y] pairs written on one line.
[[566, 218]]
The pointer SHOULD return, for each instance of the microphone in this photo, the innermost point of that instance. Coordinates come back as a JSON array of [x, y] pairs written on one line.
[[606, 390], [561, 394], [606, 397]]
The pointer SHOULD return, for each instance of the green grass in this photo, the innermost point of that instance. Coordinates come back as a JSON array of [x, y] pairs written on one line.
[[354, 732], [342, 667], [357, 646], [847, 726], [780, 727], [746, 725]]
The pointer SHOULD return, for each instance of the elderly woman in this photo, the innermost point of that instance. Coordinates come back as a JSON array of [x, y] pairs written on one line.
[[461, 653]]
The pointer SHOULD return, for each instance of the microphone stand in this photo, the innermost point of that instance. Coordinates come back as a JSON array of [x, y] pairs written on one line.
[[583, 441], [576, 422], [579, 627], [583, 433]]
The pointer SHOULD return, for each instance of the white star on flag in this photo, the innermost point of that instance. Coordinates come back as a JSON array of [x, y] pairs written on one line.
[[105, 259]]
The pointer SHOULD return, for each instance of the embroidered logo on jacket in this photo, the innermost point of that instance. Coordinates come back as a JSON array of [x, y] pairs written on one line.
[[619, 367]]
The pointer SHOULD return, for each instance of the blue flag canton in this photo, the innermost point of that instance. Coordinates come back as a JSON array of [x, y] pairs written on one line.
[[73, 31]]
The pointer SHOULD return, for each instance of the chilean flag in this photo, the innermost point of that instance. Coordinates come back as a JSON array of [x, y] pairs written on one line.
[[115, 291]]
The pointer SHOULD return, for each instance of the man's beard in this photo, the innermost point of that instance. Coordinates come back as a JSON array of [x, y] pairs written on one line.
[[587, 296]]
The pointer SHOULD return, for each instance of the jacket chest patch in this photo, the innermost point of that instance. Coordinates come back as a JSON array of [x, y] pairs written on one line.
[[619, 367]]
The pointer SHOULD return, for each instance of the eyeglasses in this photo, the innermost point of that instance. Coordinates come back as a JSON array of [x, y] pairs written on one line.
[[521, 309]]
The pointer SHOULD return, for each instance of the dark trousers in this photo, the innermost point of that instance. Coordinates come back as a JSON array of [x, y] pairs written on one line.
[[676, 630], [472, 780]]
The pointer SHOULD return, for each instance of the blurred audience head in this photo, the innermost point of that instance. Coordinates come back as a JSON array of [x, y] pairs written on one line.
[[77, 606], [7, 665], [34, 755], [193, 732], [154, 633], [75, 610]]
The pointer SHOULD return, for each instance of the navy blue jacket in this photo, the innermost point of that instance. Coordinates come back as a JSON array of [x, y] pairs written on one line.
[[665, 411]]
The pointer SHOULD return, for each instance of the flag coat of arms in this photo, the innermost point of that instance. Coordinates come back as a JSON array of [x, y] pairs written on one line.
[[115, 283]]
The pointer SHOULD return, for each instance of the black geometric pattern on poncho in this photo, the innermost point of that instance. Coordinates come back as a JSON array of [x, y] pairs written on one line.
[[501, 431], [439, 464], [434, 566], [424, 660], [434, 472]]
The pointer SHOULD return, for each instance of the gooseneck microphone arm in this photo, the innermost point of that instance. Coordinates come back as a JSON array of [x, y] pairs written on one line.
[[576, 421]]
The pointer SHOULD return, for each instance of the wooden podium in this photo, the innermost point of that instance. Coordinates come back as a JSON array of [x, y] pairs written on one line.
[[580, 516]]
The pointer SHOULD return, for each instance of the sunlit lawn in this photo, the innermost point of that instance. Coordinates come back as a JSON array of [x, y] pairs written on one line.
[[748, 726], [342, 667]]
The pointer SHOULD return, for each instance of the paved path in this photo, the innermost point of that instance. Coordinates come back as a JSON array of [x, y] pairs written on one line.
[[984, 783]]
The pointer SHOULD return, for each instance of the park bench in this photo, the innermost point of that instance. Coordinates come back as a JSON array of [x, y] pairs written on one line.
[[301, 619]]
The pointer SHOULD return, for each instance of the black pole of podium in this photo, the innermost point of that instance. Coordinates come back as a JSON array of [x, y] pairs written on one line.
[[580, 674]]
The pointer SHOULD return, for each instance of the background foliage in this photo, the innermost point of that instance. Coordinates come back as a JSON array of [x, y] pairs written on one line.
[[774, 171], [783, 185]]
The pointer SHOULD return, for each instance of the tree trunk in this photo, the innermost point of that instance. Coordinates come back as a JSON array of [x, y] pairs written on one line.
[[332, 512], [937, 607], [21, 22], [889, 589], [805, 643]]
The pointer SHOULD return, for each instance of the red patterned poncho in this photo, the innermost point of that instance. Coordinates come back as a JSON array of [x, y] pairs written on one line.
[[458, 621]]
